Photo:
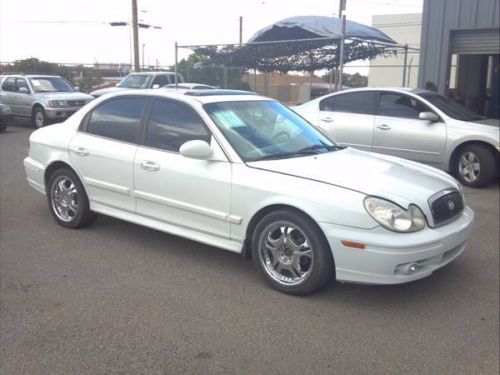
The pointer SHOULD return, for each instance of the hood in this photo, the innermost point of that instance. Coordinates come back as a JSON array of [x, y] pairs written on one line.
[[401, 181], [64, 96], [107, 90]]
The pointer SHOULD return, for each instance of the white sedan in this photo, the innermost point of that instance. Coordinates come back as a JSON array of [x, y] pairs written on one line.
[[244, 173]]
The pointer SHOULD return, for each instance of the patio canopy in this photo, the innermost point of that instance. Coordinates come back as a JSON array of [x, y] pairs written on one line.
[[305, 43]]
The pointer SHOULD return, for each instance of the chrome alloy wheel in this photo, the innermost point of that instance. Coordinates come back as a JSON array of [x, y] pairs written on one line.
[[469, 167], [64, 198], [286, 253], [39, 119]]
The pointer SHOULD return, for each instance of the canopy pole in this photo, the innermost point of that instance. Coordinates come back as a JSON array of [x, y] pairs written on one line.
[[404, 64], [342, 38], [176, 50]]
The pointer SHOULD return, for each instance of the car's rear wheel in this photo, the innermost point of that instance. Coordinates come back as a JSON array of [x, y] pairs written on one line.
[[291, 253], [475, 166], [39, 118], [68, 201]]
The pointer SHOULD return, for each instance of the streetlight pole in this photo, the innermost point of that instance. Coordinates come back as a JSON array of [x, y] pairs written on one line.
[[143, 56], [135, 31]]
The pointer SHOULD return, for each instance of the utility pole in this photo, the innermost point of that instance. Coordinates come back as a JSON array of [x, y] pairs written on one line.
[[135, 31], [143, 56], [241, 29]]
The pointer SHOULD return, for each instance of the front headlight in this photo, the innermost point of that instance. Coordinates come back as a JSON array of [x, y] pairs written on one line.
[[57, 103], [394, 217]]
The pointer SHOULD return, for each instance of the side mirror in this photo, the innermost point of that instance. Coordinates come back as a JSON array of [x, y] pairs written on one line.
[[196, 149], [156, 86], [23, 90], [77, 88], [428, 116]]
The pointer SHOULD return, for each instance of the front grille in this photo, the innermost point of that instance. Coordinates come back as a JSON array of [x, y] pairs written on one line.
[[445, 206], [76, 103]]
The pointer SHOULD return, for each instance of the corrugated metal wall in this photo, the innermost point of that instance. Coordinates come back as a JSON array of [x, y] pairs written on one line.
[[439, 19]]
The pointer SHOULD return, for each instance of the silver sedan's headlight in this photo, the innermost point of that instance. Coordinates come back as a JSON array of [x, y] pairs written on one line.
[[394, 217], [57, 103]]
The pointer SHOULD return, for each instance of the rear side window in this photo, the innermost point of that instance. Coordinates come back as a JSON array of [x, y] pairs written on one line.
[[9, 84], [21, 82], [358, 102], [118, 119], [171, 124], [161, 80]]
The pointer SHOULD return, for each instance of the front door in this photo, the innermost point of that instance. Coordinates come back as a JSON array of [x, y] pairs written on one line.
[[399, 131], [348, 118], [189, 193]]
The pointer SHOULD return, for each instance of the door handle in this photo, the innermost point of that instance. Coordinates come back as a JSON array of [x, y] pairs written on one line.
[[82, 151], [151, 166], [327, 119], [384, 127]]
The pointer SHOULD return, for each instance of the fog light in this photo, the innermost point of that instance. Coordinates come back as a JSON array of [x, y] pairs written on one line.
[[412, 268], [408, 269]]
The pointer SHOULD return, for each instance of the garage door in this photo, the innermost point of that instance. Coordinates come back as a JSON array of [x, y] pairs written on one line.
[[485, 41]]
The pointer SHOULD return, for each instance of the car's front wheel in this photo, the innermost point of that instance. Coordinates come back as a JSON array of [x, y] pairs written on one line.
[[68, 202], [291, 253], [39, 118], [475, 166]]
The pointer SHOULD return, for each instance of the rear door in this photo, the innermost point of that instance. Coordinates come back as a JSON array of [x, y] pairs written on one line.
[[348, 118], [399, 132], [103, 151], [24, 100]]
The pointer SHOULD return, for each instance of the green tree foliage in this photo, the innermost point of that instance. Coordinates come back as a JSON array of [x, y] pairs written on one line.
[[78, 75], [201, 69], [350, 80]]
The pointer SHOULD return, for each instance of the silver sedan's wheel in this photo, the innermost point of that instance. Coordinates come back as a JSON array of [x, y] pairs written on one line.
[[469, 167], [286, 253], [64, 198]]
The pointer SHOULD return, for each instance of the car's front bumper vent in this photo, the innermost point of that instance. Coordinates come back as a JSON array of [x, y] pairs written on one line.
[[445, 206]]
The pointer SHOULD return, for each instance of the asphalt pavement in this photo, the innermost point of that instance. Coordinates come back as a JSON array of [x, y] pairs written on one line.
[[117, 298]]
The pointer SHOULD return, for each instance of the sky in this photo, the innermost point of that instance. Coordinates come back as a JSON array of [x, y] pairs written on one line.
[[78, 31]]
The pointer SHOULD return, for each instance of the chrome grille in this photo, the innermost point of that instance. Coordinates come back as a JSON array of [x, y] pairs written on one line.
[[445, 206], [76, 103]]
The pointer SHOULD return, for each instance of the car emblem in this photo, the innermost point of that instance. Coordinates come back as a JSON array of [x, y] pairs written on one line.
[[451, 205]]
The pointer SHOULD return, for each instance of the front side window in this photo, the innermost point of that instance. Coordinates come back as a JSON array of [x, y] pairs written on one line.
[[451, 107], [356, 102], [118, 119], [21, 82], [161, 80], [398, 105], [172, 124], [50, 84], [136, 81], [259, 130]]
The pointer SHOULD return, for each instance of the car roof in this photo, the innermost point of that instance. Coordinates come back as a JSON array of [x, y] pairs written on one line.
[[30, 75], [201, 96], [393, 89], [152, 73]]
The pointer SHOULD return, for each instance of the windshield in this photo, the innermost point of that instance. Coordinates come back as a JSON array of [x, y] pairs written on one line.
[[260, 130], [136, 81], [50, 84], [451, 107]]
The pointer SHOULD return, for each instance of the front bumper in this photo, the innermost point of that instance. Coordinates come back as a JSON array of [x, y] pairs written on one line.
[[60, 113], [387, 253]]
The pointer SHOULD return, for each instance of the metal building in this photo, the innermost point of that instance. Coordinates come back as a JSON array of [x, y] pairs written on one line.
[[460, 49]]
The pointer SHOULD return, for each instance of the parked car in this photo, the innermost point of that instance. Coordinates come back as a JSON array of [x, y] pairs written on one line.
[[245, 173], [5, 116], [189, 86], [414, 124], [43, 98], [142, 80]]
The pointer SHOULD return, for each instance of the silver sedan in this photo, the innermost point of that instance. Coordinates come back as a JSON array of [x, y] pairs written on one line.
[[415, 124]]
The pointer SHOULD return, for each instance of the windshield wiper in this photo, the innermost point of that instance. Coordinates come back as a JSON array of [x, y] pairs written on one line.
[[309, 150]]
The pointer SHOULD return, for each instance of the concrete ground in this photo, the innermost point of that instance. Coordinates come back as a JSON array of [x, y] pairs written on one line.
[[120, 298]]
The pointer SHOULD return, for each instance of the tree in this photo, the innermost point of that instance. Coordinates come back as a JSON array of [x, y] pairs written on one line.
[[350, 80]]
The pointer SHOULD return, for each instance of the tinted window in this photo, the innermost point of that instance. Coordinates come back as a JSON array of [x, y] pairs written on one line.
[[161, 80], [359, 102], [172, 124], [451, 108], [397, 105], [21, 82], [119, 119], [9, 84]]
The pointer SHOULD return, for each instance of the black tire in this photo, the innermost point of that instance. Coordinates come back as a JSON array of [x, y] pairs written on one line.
[[321, 267], [487, 166], [39, 118], [81, 217]]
